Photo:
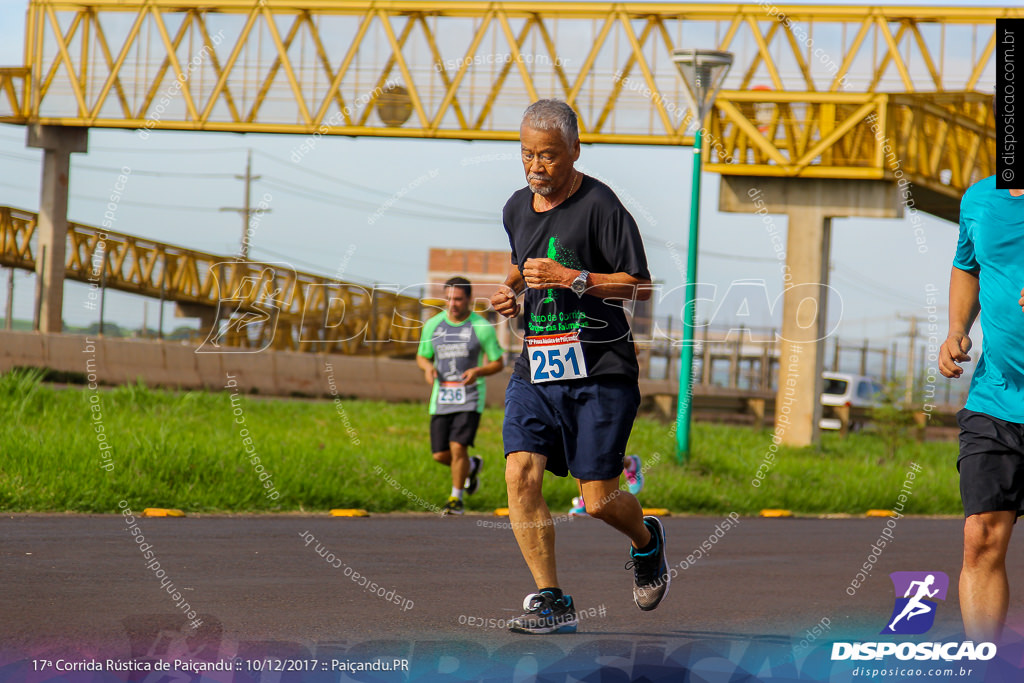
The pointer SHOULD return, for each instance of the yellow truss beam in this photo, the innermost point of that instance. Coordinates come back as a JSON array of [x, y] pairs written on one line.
[[944, 142], [309, 312], [466, 70], [356, 43]]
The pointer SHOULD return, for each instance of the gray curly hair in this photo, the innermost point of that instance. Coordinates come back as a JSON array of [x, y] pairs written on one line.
[[553, 115]]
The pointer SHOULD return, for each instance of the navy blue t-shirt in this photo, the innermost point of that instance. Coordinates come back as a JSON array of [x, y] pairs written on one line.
[[590, 231]]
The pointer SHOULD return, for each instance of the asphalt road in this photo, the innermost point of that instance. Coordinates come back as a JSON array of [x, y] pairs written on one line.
[[768, 598]]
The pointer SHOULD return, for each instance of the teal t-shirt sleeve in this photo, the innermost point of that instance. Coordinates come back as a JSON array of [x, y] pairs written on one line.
[[426, 348], [965, 258], [488, 339]]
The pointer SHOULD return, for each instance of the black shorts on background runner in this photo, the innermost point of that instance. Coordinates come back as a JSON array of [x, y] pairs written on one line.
[[454, 427], [991, 464]]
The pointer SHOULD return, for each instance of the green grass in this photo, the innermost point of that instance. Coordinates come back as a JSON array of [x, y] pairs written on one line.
[[184, 450]]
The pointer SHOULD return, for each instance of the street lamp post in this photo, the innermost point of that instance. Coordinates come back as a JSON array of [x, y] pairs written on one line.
[[703, 72]]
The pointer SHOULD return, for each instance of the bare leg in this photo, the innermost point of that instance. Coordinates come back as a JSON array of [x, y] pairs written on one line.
[[984, 589], [444, 457], [531, 520], [460, 464], [617, 508]]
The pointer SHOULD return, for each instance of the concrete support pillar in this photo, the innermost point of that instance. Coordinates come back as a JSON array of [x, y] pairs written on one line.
[[810, 203], [58, 143], [804, 317]]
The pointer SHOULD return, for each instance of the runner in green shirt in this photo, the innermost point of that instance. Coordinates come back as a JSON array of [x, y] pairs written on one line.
[[458, 348]]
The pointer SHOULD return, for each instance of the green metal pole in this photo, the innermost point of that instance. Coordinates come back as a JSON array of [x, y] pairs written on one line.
[[686, 354]]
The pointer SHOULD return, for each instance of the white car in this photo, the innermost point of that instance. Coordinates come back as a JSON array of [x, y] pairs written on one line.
[[841, 389]]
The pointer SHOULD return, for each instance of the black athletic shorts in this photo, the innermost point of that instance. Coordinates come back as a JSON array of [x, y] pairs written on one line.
[[991, 463], [454, 427]]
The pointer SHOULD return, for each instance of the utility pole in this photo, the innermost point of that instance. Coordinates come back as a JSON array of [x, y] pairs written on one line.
[[922, 362], [9, 311], [246, 211], [892, 363], [908, 396]]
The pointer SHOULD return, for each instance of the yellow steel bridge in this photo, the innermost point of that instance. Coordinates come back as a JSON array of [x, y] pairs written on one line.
[[816, 91], [266, 305]]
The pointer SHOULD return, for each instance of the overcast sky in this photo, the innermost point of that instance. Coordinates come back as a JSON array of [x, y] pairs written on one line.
[[451, 196]]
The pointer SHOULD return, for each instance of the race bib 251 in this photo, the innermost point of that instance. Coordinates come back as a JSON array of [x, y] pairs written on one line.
[[555, 357]]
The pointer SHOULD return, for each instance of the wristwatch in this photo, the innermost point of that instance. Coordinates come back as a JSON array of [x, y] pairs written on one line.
[[579, 285]]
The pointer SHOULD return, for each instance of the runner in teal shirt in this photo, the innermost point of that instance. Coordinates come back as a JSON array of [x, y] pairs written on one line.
[[987, 276], [991, 247]]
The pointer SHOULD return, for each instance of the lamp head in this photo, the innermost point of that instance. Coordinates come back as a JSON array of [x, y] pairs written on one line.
[[703, 72]]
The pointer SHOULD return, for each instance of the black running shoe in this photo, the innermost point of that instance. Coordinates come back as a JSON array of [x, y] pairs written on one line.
[[545, 614], [476, 463], [650, 570], [452, 507]]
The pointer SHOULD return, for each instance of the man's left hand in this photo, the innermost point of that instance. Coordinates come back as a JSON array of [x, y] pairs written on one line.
[[542, 273], [470, 375]]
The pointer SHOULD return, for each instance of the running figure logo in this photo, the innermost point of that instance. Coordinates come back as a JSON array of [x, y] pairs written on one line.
[[559, 253], [914, 613], [553, 255]]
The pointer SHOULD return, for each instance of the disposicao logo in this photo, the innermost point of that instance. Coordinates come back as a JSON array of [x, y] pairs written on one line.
[[914, 612]]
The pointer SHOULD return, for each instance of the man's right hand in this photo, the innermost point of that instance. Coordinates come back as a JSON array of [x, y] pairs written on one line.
[[504, 302], [954, 350], [430, 375]]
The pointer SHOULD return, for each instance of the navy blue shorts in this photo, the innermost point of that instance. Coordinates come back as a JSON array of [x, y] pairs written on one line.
[[581, 426], [991, 464]]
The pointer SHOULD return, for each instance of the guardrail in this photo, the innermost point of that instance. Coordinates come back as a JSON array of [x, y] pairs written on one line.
[[757, 409]]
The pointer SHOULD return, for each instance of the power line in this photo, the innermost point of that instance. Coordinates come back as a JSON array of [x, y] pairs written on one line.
[[110, 169], [736, 257], [160, 174], [876, 285], [166, 150], [148, 205], [481, 218], [363, 188], [20, 187], [876, 292], [366, 206], [143, 149], [313, 267]]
